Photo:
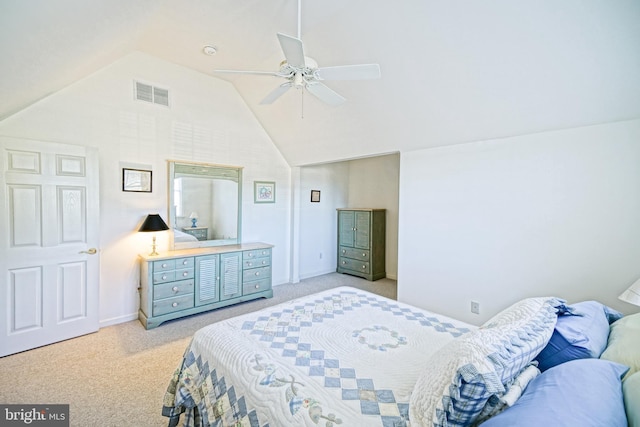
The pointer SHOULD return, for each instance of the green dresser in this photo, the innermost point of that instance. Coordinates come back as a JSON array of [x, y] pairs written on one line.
[[179, 283], [361, 242]]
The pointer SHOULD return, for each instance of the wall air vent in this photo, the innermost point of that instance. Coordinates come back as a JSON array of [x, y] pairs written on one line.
[[153, 94]]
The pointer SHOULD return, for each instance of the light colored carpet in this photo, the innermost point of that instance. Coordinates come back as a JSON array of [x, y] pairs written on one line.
[[118, 376]]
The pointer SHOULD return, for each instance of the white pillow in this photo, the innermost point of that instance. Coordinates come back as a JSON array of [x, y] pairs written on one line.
[[460, 379]]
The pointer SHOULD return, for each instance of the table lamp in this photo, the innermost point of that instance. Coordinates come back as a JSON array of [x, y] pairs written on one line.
[[632, 295], [153, 223], [194, 219]]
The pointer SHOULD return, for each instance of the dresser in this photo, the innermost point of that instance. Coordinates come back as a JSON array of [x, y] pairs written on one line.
[[179, 283], [361, 242]]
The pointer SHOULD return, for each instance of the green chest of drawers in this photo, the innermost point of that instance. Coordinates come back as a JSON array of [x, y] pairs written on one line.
[[361, 243], [180, 283]]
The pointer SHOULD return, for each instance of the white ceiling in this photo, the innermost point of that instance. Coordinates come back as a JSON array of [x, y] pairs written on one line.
[[452, 71]]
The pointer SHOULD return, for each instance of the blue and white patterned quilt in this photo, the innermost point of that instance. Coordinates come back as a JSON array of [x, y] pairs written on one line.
[[339, 357]]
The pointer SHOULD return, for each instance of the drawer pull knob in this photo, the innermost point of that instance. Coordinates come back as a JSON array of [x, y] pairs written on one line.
[[257, 273], [164, 265], [264, 252], [185, 274], [164, 277], [344, 252], [344, 262], [175, 304], [364, 266], [184, 262], [174, 289], [264, 262], [249, 264], [250, 254], [364, 255], [257, 286]]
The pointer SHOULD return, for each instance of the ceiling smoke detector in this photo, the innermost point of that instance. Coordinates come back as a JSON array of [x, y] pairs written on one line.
[[210, 50]]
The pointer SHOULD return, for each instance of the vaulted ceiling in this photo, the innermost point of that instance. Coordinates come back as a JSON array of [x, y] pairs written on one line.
[[452, 71]]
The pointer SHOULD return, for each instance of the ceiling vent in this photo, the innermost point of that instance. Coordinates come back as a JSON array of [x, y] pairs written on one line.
[[153, 94]]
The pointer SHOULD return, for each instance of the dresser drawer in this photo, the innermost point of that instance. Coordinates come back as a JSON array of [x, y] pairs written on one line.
[[354, 264], [184, 263], [360, 254], [170, 305], [174, 289], [256, 274], [256, 253], [256, 286], [164, 276], [164, 265], [257, 262], [184, 273]]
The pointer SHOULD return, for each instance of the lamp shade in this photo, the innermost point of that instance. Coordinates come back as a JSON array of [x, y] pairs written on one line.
[[632, 295], [194, 215], [153, 222]]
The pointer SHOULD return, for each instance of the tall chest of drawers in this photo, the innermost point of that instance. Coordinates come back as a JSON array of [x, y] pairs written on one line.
[[180, 283], [361, 242]]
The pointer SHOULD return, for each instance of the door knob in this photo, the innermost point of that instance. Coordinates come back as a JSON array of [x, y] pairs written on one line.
[[91, 251]]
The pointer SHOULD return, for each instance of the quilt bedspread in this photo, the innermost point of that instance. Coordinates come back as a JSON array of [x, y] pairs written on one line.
[[342, 356]]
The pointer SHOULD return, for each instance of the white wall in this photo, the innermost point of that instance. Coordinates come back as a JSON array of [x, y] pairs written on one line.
[[207, 122], [554, 213], [373, 183]]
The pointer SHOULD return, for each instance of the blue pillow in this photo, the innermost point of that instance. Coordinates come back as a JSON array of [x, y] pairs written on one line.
[[584, 392], [580, 333]]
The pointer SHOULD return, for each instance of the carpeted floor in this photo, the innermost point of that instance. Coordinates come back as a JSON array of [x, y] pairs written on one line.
[[118, 376]]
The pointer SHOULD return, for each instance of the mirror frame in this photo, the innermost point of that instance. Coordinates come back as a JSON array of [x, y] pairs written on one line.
[[172, 217]]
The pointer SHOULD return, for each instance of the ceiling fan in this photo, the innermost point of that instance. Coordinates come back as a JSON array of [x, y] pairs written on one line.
[[302, 72]]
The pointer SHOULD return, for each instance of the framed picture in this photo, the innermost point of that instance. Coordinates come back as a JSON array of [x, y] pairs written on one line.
[[136, 180], [315, 196], [264, 192]]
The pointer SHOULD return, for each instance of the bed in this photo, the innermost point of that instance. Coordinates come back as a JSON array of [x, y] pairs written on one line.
[[181, 237], [349, 357]]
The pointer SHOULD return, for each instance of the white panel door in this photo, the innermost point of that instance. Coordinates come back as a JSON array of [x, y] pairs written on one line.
[[49, 265]]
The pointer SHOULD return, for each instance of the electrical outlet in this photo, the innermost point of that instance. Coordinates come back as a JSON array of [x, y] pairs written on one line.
[[475, 307]]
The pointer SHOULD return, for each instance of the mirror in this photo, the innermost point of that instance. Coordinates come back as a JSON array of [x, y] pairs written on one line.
[[205, 202]]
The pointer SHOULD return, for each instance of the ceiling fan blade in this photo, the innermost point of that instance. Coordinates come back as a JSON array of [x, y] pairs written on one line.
[[276, 93], [262, 73], [349, 72], [325, 94], [292, 49]]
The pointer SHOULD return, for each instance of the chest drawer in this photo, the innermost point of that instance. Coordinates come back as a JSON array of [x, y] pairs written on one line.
[[170, 305], [164, 265], [256, 286], [354, 264], [164, 276], [256, 274], [185, 273], [168, 290], [184, 263], [256, 253], [354, 253], [257, 262]]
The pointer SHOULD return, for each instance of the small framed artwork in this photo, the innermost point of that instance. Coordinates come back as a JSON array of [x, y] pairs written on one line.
[[315, 196], [136, 180], [264, 192]]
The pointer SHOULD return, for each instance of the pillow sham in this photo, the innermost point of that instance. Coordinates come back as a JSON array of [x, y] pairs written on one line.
[[583, 392], [581, 332], [624, 343], [458, 381], [631, 393]]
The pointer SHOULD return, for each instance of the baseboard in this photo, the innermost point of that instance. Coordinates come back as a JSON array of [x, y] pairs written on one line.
[[120, 319], [317, 273]]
